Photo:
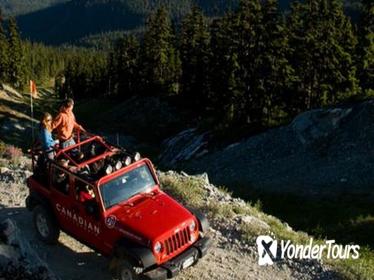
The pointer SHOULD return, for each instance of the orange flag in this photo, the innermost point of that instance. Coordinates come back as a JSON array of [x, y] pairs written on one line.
[[33, 89]]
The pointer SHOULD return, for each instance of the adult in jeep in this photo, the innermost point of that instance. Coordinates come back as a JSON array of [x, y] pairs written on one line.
[[65, 124], [45, 135], [86, 193]]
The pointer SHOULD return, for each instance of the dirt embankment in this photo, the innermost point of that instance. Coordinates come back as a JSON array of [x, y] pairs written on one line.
[[229, 258]]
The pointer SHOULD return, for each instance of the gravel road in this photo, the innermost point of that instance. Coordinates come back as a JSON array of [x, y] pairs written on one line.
[[71, 260]]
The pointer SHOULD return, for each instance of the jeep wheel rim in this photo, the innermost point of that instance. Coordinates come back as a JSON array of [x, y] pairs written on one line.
[[41, 224], [126, 274]]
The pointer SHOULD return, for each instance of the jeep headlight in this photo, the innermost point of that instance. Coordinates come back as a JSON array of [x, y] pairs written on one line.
[[192, 226], [157, 248]]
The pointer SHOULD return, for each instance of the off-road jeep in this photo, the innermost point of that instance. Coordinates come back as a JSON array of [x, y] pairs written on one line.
[[110, 199]]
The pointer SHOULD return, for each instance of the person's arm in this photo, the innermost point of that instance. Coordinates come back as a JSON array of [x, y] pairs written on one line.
[[47, 140], [57, 121], [77, 126]]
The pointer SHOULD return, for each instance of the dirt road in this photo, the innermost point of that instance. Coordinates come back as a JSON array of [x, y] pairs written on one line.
[[71, 260]]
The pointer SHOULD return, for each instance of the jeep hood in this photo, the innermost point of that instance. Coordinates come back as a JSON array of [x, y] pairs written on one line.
[[152, 217]]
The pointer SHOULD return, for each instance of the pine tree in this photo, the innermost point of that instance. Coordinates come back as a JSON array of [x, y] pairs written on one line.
[[160, 59], [195, 58], [248, 36], [277, 75], [223, 71], [366, 47], [323, 42], [3, 51], [126, 56], [16, 66]]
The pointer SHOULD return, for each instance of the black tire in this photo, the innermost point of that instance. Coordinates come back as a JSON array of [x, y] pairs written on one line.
[[45, 225], [122, 269]]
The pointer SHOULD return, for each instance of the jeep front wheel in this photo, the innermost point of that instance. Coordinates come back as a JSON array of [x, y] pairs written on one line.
[[122, 269], [46, 227]]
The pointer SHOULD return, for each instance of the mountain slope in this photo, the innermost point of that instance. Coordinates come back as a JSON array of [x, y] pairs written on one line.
[[76, 19], [20, 7], [62, 21], [322, 152]]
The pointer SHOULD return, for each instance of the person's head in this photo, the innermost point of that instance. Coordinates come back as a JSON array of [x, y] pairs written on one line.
[[64, 163], [90, 190], [47, 121], [68, 104], [78, 156]]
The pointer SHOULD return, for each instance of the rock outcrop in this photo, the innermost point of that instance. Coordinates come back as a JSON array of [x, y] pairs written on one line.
[[324, 151], [18, 261]]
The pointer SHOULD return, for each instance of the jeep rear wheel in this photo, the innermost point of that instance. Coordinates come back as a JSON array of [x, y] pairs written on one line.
[[45, 225]]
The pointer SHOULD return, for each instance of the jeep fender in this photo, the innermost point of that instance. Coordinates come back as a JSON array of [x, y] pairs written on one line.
[[34, 199], [140, 254], [203, 221]]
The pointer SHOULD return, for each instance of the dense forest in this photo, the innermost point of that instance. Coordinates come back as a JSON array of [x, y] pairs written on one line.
[[19, 7], [251, 66], [62, 21]]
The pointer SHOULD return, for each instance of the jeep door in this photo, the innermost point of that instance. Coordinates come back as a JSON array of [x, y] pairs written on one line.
[[61, 196], [89, 227]]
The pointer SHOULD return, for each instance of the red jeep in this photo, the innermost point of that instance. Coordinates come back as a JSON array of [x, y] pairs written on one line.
[[110, 199]]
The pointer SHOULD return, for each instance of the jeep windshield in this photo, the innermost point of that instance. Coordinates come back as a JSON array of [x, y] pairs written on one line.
[[136, 181]]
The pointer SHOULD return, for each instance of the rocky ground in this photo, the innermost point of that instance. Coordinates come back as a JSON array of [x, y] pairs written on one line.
[[323, 151], [229, 258]]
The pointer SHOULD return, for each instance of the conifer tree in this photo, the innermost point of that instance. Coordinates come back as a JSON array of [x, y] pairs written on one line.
[[160, 59], [195, 58], [3, 51], [323, 43], [126, 58], [277, 74], [366, 46], [16, 66], [226, 96], [248, 35]]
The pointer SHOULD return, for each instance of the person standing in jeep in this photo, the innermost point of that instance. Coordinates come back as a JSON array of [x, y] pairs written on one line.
[[65, 123]]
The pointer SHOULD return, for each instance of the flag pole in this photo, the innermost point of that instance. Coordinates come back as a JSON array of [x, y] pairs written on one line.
[[32, 112]]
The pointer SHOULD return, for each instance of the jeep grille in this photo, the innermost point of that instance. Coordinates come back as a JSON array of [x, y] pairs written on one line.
[[177, 241]]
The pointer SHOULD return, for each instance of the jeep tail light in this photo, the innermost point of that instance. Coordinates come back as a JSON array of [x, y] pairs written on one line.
[[157, 247]]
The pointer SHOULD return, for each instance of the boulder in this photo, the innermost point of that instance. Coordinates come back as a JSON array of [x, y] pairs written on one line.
[[316, 125], [18, 261]]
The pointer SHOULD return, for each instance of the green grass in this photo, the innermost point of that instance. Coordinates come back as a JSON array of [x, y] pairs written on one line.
[[326, 219]]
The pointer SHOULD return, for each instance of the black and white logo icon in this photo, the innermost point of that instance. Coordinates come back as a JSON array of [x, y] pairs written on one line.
[[267, 249]]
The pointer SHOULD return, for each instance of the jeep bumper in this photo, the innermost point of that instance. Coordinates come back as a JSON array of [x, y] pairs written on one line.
[[187, 258]]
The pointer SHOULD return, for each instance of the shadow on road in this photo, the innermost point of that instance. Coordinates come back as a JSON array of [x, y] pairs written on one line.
[[69, 259]]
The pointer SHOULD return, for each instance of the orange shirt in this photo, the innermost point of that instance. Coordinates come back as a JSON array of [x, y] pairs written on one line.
[[65, 123]]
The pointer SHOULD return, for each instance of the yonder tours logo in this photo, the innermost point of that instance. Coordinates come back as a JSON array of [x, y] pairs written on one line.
[[268, 248]]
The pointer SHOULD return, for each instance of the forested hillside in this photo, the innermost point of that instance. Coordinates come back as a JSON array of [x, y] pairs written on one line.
[[19, 7], [250, 67], [62, 21], [76, 19]]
